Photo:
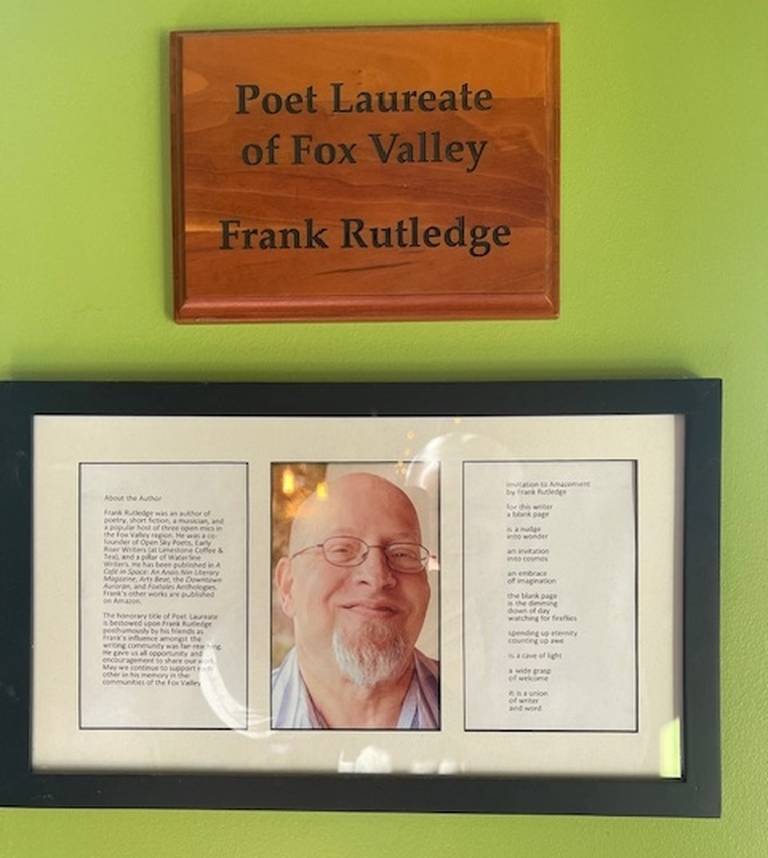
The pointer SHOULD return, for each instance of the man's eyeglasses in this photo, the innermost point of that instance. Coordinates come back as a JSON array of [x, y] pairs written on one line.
[[407, 557]]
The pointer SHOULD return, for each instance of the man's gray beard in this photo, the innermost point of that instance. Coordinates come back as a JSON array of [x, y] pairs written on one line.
[[373, 654]]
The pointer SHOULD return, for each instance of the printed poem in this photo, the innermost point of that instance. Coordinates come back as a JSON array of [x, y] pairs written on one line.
[[549, 589]]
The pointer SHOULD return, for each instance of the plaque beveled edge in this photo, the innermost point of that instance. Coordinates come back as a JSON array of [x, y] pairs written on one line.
[[543, 304]]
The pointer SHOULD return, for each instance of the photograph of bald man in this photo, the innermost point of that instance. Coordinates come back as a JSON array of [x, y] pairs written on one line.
[[354, 584]]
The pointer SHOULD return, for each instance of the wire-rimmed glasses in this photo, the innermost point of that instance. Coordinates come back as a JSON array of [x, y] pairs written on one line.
[[347, 551]]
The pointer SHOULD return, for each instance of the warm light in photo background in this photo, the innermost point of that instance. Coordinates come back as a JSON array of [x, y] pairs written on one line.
[[288, 482]]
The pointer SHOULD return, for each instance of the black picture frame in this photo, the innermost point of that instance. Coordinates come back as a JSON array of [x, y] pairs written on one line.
[[696, 794]]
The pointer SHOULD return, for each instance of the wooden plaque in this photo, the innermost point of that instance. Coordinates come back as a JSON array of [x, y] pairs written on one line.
[[398, 173]]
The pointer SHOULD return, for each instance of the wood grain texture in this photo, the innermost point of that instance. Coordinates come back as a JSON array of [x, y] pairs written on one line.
[[511, 181]]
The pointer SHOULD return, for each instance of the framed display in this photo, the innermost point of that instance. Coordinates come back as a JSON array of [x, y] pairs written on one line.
[[486, 597]]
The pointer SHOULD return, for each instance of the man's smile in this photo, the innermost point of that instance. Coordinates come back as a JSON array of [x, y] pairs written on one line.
[[372, 608]]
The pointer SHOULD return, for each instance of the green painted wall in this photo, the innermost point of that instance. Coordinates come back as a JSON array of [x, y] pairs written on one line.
[[665, 254]]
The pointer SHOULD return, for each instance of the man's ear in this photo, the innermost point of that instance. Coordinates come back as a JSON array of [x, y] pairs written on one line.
[[284, 585]]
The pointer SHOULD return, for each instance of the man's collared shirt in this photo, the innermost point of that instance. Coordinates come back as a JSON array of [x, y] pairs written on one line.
[[292, 706]]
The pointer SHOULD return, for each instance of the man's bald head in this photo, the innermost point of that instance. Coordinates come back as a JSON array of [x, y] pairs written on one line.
[[344, 499]]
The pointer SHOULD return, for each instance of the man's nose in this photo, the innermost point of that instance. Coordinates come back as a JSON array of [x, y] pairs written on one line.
[[374, 570]]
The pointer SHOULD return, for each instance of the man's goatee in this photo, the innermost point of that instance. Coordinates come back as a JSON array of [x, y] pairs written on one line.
[[375, 653]]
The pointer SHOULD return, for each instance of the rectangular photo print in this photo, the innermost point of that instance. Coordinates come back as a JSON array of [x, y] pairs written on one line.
[[355, 596]]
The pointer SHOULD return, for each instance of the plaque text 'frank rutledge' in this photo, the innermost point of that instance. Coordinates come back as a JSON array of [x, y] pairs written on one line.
[[391, 148], [393, 183]]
